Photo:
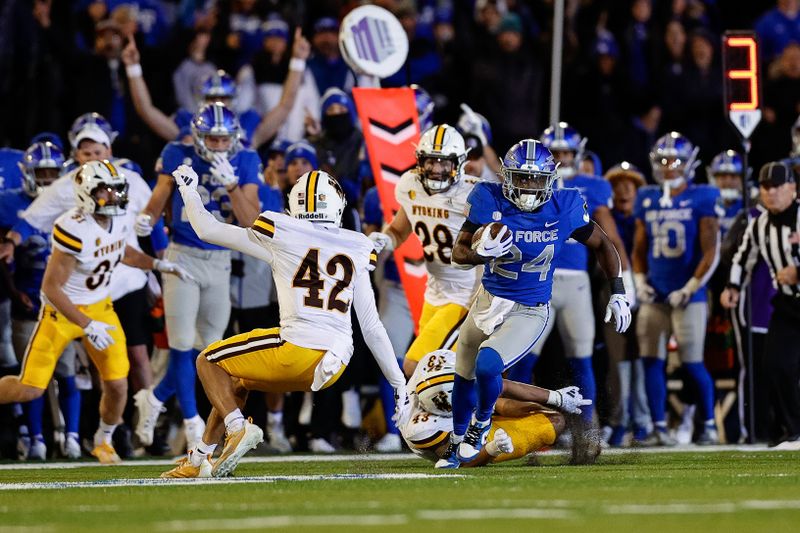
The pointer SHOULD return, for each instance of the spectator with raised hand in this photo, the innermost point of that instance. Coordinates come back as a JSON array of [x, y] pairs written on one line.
[[326, 63]]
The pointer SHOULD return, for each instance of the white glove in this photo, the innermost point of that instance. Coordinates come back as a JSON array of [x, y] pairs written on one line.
[[168, 267], [471, 124], [630, 287], [681, 297], [142, 226], [185, 176], [222, 171], [402, 407], [644, 292], [381, 241], [569, 399], [501, 443], [97, 333], [494, 247], [620, 309]]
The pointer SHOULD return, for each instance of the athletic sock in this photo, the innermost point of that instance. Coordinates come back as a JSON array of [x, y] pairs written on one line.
[[522, 370], [186, 375], [35, 414], [489, 378], [274, 419], [464, 400], [705, 388], [104, 433], [201, 451], [583, 377], [387, 402], [69, 397], [655, 382], [234, 421]]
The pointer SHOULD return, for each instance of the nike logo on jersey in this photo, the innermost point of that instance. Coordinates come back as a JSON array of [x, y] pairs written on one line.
[[684, 203], [548, 224]]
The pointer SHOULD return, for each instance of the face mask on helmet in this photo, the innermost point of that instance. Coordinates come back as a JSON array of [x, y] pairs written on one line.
[[529, 189], [100, 189], [111, 200], [437, 173], [40, 166], [673, 160], [215, 130]]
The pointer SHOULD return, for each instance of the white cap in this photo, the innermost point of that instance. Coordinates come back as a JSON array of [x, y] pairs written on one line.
[[94, 133]]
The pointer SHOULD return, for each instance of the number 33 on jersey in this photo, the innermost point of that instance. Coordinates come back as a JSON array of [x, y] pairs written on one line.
[[525, 274]]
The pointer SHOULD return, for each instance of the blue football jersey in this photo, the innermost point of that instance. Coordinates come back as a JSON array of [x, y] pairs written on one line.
[[525, 275], [245, 163], [248, 121], [30, 257], [673, 249], [597, 193], [730, 212], [10, 174]]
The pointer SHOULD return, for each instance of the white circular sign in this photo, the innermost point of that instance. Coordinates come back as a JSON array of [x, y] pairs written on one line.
[[373, 42]]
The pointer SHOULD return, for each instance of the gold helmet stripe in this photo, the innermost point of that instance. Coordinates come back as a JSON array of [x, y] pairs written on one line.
[[311, 191], [110, 168], [438, 139], [435, 380]]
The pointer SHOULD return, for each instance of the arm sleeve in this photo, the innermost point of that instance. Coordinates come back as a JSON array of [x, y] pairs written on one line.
[[745, 257], [213, 231], [375, 334]]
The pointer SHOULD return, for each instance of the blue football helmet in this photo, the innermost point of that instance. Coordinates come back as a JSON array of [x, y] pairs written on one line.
[[528, 171], [91, 118], [215, 120], [562, 137], [674, 153], [425, 107], [218, 85], [40, 156], [727, 162]]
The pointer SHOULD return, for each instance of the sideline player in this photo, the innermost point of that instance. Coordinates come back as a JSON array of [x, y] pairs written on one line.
[[512, 308], [88, 242], [521, 422], [197, 309], [321, 270], [726, 173], [432, 199], [572, 308], [675, 251]]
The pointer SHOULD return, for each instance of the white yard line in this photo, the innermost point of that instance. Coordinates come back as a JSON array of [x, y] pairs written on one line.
[[282, 521], [157, 482], [370, 457]]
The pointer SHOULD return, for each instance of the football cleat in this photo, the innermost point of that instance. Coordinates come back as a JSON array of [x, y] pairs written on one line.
[[38, 451], [474, 440], [23, 447], [320, 445], [659, 437], [71, 448], [450, 458], [106, 454], [709, 436], [185, 469], [389, 443], [684, 432], [147, 416], [236, 445], [277, 439]]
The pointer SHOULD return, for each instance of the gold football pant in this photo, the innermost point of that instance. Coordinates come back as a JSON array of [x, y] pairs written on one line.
[[438, 329], [529, 434]]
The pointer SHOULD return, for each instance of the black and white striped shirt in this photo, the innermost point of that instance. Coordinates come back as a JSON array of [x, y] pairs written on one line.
[[777, 239]]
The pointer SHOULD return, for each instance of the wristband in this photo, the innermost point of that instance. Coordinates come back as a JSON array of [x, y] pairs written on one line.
[[134, 71], [296, 64], [555, 399], [492, 449], [617, 286]]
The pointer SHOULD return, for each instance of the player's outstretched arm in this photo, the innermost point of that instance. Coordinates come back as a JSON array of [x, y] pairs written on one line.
[[209, 228], [569, 399], [161, 124], [273, 120], [394, 234]]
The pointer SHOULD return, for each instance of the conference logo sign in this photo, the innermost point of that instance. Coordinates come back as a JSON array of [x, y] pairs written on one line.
[[373, 41]]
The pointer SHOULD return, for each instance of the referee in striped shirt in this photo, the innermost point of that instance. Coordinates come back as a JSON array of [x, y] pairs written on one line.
[[775, 234]]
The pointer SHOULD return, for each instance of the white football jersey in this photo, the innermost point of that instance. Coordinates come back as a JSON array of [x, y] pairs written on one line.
[[436, 219], [315, 268], [97, 249], [59, 197]]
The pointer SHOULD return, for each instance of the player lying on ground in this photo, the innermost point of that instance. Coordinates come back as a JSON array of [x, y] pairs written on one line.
[[320, 271], [521, 422], [88, 242]]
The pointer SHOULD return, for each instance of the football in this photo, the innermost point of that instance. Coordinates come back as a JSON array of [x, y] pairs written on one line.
[[494, 228]]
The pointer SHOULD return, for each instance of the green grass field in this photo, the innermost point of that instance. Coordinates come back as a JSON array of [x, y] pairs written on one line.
[[637, 491]]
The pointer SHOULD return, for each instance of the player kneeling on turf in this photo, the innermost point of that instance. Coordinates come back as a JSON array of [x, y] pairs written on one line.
[[88, 241], [521, 424], [320, 271]]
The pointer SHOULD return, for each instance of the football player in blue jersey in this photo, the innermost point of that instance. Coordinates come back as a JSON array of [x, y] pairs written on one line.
[[675, 252], [94, 123], [40, 167], [197, 310], [512, 307], [726, 172], [571, 308], [219, 87], [10, 175], [10, 179]]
